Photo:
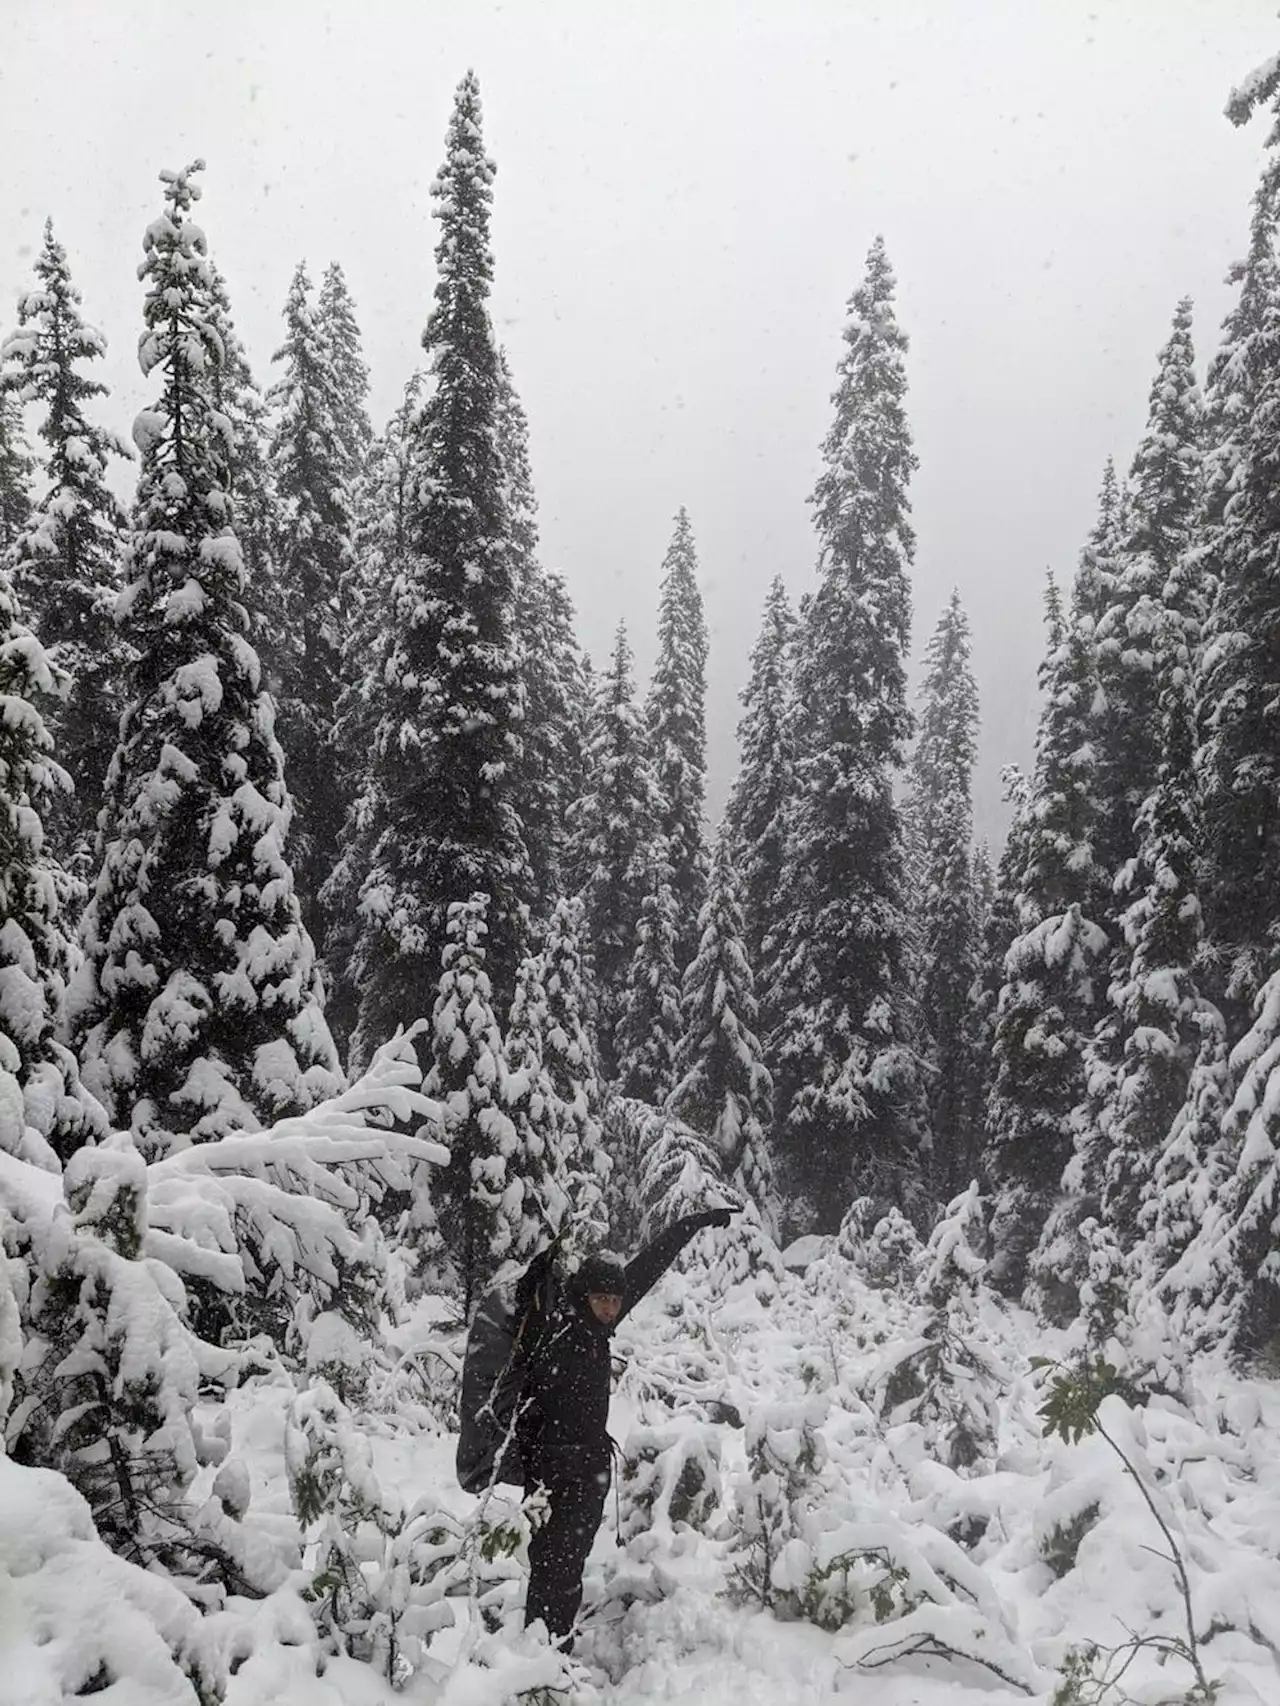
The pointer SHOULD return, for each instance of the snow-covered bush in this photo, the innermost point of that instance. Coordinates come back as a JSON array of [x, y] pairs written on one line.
[[1092, 1396], [948, 1377], [669, 1476], [337, 1355], [1068, 1513], [382, 1576], [879, 1243], [782, 1486], [892, 1250], [359, 1591], [802, 1551], [80, 1621], [110, 1369], [265, 1226]]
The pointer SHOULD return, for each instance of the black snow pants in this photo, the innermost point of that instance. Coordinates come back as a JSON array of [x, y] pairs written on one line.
[[558, 1550]]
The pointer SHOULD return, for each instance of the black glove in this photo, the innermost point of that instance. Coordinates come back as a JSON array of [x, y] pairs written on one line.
[[716, 1217]]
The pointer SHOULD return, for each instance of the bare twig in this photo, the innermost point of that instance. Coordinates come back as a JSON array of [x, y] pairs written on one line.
[[931, 1647]]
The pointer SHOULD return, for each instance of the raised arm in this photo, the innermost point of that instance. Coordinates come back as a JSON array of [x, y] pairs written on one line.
[[645, 1269]]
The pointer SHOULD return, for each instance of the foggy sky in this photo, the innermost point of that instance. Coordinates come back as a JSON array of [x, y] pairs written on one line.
[[686, 192]]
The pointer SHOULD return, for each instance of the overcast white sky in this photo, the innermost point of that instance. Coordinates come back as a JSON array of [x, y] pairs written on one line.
[[686, 193]]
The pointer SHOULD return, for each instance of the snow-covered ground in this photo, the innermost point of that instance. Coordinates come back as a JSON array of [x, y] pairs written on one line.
[[1035, 1548]]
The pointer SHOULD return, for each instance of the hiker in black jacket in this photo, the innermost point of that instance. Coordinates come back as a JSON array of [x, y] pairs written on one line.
[[563, 1411]]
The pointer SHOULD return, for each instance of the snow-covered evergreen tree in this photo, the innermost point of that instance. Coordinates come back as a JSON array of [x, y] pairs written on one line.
[[66, 564], [536, 1194], [1145, 1050], [479, 1196], [1238, 761], [758, 799], [1001, 926], [941, 808], [197, 1008], [677, 1171], [340, 334], [569, 1059], [581, 709], [723, 1090], [309, 467], [1225, 1286], [110, 1370], [550, 665], [1165, 1023], [445, 817], [614, 825], [675, 715], [238, 397], [382, 505], [16, 467], [1232, 1261], [548, 1155], [956, 1376], [1054, 968], [1142, 570], [44, 1102], [649, 1024], [848, 1095], [984, 884]]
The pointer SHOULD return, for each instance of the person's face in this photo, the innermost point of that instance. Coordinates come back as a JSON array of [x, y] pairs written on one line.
[[606, 1306]]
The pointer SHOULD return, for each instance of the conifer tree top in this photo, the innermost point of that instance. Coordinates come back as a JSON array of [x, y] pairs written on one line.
[[948, 741], [41, 362], [464, 194], [55, 294], [861, 497], [1164, 476]]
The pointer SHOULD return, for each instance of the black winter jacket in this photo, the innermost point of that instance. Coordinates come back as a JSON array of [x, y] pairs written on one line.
[[565, 1372]]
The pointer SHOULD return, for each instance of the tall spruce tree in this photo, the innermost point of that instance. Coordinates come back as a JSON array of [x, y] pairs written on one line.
[[382, 506], [197, 1008], [648, 1032], [1054, 969], [536, 1148], [1168, 1031], [446, 822], [1144, 1049], [568, 1056], [1000, 929], [16, 468], [941, 806], [1189, 1251], [339, 332], [1238, 764], [758, 800], [310, 468], [848, 1096], [549, 661], [675, 713], [1144, 563], [723, 1089], [614, 826], [238, 397], [1238, 718], [577, 777], [67, 560], [52, 1111], [481, 1221]]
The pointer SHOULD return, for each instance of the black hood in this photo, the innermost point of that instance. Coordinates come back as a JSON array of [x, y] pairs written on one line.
[[600, 1272]]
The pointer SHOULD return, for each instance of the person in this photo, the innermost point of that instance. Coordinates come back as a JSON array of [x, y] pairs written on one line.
[[563, 1412]]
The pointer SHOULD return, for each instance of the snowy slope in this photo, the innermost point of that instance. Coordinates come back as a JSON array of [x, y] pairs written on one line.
[[1009, 1562]]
